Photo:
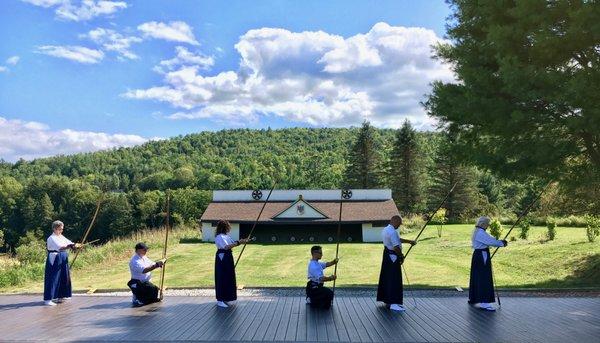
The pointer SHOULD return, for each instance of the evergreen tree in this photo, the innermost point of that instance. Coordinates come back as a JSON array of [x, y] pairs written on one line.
[[364, 161], [404, 170], [464, 200]]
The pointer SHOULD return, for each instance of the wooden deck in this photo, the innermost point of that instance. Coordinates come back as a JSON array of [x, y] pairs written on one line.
[[352, 319]]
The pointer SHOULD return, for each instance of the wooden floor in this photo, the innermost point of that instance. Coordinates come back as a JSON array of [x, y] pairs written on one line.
[[352, 319]]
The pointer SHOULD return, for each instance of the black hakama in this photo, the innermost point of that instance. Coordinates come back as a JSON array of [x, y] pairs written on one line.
[[57, 279], [390, 289], [481, 285], [144, 291], [225, 285], [320, 296]]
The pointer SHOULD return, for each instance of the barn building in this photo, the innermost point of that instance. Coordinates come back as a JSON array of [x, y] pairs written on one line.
[[299, 215]]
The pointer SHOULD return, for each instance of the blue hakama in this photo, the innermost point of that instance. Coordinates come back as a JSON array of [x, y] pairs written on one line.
[[481, 285], [57, 279]]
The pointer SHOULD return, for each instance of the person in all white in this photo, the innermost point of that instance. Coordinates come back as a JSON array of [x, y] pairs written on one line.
[[225, 284], [57, 279], [317, 295], [141, 267], [390, 289], [481, 285]]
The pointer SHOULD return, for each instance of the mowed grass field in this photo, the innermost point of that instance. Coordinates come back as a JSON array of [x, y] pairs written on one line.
[[569, 261]]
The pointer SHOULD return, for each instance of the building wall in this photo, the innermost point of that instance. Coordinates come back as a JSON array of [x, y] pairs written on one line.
[[208, 232], [370, 233]]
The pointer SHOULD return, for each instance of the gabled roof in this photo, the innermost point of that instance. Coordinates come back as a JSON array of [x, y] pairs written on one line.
[[293, 211], [353, 211]]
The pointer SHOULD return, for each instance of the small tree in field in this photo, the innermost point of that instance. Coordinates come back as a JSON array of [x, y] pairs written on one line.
[[551, 225], [592, 227], [439, 218], [524, 225], [496, 228]]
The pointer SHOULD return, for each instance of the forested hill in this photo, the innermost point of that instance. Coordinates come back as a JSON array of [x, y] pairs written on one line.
[[230, 159], [417, 166]]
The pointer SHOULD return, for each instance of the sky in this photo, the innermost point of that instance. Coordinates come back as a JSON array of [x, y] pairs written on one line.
[[85, 75]]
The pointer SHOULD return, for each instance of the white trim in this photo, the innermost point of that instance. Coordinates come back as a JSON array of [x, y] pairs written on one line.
[[307, 194]]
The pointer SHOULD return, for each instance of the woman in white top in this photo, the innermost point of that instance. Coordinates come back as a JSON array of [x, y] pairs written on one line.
[[225, 285], [481, 285], [57, 280]]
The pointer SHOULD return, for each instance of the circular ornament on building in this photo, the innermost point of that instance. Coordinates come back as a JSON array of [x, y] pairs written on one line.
[[311, 238], [273, 238], [349, 239], [256, 194], [346, 194], [330, 239], [293, 239]]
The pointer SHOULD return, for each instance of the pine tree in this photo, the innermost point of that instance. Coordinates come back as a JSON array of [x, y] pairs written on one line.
[[364, 160], [464, 200], [404, 169]]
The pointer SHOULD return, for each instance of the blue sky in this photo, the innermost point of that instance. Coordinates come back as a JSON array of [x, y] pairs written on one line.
[[86, 75]]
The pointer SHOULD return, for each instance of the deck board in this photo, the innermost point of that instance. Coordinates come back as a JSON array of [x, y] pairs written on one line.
[[289, 319]]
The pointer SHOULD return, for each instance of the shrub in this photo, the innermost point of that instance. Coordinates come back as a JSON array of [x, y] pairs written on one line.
[[524, 224], [551, 225], [572, 221], [593, 227], [496, 228], [412, 223], [34, 251], [439, 218]]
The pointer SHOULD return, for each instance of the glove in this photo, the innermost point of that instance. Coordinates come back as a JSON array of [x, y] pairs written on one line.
[[505, 242]]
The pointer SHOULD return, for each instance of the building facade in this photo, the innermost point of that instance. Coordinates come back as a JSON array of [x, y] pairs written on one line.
[[300, 215]]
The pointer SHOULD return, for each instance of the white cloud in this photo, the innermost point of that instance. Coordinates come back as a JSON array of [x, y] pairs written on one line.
[[185, 57], [176, 31], [80, 10], [29, 140], [312, 77], [110, 40], [75, 53], [13, 60], [3, 69]]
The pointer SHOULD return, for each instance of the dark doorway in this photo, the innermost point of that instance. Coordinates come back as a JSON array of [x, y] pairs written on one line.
[[302, 233]]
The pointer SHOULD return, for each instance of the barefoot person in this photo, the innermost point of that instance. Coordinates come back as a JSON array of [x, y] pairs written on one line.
[[390, 289], [481, 285], [141, 267], [317, 295], [225, 285], [57, 279]]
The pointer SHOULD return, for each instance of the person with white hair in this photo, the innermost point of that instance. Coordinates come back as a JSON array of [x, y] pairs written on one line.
[[481, 285], [57, 279]]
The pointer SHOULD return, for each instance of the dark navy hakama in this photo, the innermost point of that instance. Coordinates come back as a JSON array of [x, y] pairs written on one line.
[[57, 279], [225, 285], [481, 285], [320, 296], [390, 289], [144, 291]]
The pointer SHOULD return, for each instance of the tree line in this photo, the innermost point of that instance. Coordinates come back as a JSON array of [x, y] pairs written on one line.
[[420, 167]]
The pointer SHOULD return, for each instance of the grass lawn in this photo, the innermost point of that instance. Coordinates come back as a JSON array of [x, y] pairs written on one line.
[[569, 261]]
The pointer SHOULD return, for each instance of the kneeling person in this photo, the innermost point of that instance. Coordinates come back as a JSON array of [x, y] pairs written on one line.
[[140, 266], [316, 294]]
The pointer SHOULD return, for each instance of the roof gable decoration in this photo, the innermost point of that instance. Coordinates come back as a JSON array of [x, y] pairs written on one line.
[[300, 209]]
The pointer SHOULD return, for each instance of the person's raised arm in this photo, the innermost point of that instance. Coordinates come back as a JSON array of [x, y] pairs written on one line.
[[332, 262]]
